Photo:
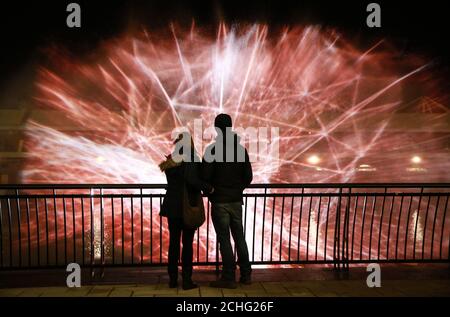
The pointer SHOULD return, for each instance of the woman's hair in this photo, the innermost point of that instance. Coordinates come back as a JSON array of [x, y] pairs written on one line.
[[182, 143]]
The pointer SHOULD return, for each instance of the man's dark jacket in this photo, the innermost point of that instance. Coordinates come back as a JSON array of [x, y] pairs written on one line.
[[229, 177]]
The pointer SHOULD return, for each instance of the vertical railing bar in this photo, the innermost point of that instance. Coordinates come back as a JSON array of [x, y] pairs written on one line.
[[398, 228], [113, 233], [245, 218], [309, 222], [281, 227], [217, 241], [235, 249], [389, 227], [1, 234], [300, 225], [345, 230], [132, 229], [425, 228], [263, 224], [442, 229], [123, 229], [82, 231], [290, 228], [337, 233], [347, 257], [207, 229], [10, 232], [74, 231], [434, 224], [198, 244], [381, 224], [19, 227], [38, 233], [46, 232], [371, 227], [151, 229], [65, 231], [254, 229], [318, 228], [354, 224], [102, 229], [417, 222], [142, 227], [448, 254], [91, 209], [326, 229], [217, 254], [27, 204], [271, 231], [56, 226], [407, 226], [160, 232], [362, 226]]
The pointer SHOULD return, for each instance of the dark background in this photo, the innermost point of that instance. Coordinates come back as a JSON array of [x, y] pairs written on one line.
[[417, 26]]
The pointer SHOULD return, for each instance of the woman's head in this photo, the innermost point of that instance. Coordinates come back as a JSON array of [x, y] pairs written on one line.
[[184, 152], [184, 148], [184, 137]]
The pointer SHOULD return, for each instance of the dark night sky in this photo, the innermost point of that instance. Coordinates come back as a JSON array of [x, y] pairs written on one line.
[[419, 26]]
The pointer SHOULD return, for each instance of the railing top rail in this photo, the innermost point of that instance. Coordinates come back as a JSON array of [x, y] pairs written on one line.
[[78, 196], [272, 185]]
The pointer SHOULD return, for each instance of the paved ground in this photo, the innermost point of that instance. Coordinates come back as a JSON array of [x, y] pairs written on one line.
[[258, 289], [309, 282]]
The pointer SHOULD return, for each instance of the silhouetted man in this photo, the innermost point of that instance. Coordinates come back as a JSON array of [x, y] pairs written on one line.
[[227, 168]]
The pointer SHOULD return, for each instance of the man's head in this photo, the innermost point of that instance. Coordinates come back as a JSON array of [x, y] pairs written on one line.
[[222, 122]]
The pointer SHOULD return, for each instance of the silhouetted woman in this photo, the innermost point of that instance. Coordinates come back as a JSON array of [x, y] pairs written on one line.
[[182, 168]]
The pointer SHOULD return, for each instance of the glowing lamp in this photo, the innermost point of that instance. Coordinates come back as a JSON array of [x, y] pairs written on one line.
[[313, 159], [416, 159]]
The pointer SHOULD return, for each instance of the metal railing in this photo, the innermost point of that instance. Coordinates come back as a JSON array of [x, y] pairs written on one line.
[[99, 225]]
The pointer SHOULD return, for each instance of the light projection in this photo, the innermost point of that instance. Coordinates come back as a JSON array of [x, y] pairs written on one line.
[[344, 114]]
